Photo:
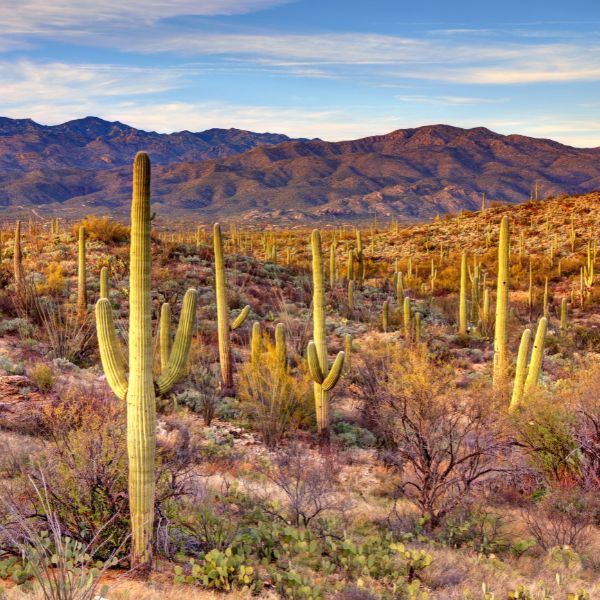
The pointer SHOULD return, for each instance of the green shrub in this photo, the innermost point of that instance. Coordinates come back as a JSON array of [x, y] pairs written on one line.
[[43, 377]]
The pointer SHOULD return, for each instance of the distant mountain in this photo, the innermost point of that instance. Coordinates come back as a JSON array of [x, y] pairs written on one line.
[[409, 173], [92, 143]]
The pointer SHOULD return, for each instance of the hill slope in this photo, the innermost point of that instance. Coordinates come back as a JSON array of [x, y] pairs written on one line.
[[411, 173]]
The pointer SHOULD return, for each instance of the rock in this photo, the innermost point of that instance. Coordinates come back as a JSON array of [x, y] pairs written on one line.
[[21, 408]]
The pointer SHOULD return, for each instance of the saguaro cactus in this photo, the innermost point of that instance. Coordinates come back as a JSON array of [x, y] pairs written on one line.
[[104, 282], [537, 355], [332, 266], [385, 313], [141, 387], [501, 330], [324, 378], [521, 370], [462, 320], [407, 319], [81, 276], [255, 347], [563, 316], [165, 335], [223, 324], [360, 259], [17, 259], [281, 347]]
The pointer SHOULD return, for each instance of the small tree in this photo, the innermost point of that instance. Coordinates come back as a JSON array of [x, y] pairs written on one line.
[[443, 440]]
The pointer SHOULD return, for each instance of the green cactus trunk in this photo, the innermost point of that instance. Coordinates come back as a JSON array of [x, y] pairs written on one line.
[[141, 399], [223, 325], [407, 319], [537, 355], [521, 370], [417, 328], [501, 329], [104, 287], [563, 316], [281, 347], [81, 276], [385, 314], [462, 320], [18, 260], [255, 347], [324, 378], [165, 335], [140, 388]]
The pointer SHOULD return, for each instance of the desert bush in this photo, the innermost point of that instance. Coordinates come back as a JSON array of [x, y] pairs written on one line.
[[61, 567], [103, 229], [562, 518], [203, 398], [443, 440], [307, 483], [274, 400], [42, 376]]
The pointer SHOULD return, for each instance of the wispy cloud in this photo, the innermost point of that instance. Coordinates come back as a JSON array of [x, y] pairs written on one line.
[[40, 16], [450, 100]]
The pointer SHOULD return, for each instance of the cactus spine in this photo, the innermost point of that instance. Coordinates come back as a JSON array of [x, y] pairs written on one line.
[[324, 378], [537, 355], [81, 275], [501, 333], [139, 388], [223, 324], [462, 320]]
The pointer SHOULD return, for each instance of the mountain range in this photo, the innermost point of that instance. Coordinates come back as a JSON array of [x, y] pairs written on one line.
[[83, 166]]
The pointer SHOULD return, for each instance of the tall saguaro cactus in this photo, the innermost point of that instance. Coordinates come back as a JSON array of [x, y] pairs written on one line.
[[537, 355], [324, 378], [462, 319], [17, 259], [81, 276], [223, 324], [140, 388], [501, 329]]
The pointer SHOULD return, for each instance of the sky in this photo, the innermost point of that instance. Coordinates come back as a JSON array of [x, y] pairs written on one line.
[[333, 69]]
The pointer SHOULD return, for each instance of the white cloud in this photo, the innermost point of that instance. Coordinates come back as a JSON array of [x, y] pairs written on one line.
[[40, 16], [450, 100]]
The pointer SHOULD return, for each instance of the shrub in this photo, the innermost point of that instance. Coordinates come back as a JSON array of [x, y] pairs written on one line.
[[103, 229], [353, 436], [42, 376]]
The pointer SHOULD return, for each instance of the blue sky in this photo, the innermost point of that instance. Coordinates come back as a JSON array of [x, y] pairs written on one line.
[[318, 68]]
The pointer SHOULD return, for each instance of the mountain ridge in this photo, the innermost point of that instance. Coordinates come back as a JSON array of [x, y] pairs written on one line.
[[408, 173]]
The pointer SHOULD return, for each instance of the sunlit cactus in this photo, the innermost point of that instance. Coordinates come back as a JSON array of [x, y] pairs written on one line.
[[462, 311], [501, 328], [537, 355], [223, 323], [18, 259], [81, 275], [140, 387], [324, 378]]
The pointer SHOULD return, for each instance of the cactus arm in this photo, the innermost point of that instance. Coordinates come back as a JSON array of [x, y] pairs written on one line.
[[334, 373], [165, 336], [104, 282], [181, 346], [521, 370], [111, 353], [314, 366], [239, 320]]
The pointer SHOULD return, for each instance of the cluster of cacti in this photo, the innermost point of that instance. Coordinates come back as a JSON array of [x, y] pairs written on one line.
[[526, 378], [223, 322], [324, 377], [139, 387]]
